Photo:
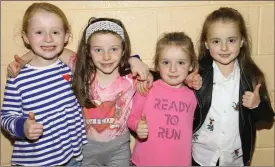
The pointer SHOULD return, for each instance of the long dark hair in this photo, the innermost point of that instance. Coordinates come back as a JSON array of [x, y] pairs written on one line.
[[85, 69], [246, 63]]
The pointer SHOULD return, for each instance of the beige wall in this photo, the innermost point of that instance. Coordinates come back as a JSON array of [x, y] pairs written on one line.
[[145, 21]]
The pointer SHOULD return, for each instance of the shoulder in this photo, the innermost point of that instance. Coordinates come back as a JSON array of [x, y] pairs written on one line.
[[189, 97], [205, 64], [24, 75], [157, 83], [190, 93]]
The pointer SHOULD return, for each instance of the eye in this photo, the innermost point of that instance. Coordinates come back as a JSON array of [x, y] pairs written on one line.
[[181, 62], [56, 33], [215, 41], [232, 40], [38, 32], [114, 49], [165, 62], [98, 50]]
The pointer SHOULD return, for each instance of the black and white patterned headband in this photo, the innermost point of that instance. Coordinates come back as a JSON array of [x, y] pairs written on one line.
[[104, 25]]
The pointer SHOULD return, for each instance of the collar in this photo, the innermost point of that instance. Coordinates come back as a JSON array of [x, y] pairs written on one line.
[[232, 76]]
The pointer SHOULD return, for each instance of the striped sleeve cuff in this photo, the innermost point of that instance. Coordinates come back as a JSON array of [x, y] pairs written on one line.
[[19, 127]]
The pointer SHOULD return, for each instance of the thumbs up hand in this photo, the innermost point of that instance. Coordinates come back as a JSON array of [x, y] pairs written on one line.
[[142, 128], [194, 80], [252, 99], [32, 129], [31, 116]]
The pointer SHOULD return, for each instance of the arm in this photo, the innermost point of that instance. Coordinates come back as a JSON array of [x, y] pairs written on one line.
[[26, 58], [137, 108], [11, 112], [18, 63], [259, 105], [138, 68], [263, 112], [68, 57], [12, 119]]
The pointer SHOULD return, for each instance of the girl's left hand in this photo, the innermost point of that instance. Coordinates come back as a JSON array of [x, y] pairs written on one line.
[[139, 69], [143, 87], [252, 99], [194, 80]]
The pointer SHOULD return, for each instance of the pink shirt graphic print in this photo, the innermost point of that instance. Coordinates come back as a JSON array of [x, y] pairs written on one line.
[[113, 105]]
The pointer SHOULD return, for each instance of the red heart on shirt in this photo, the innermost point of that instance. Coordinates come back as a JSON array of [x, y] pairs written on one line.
[[66, 77], [104, 110]]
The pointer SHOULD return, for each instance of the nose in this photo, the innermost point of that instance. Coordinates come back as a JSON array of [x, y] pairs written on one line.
[[48, 37], [173, 67], [106, 56], [224, 46]]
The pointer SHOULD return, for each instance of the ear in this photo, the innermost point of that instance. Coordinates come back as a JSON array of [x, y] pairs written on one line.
[[206, 45], [25, 38], [242, 41], [67, 36]]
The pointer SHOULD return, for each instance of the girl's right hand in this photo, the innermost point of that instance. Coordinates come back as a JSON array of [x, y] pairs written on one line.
[[32, 129], [15, 66], [142, 128]]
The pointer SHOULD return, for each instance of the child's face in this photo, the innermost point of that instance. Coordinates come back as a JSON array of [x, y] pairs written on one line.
[[224, 42], [106, 52], [46, 36], [174, 65]]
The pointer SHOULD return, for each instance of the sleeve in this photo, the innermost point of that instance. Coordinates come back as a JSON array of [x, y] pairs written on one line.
[[137, 109], [12, 119], [263, 112]]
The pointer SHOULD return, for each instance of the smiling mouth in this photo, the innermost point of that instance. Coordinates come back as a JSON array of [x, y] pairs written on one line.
[[107, 65], [48, 48], [224, 55], [172, 77]]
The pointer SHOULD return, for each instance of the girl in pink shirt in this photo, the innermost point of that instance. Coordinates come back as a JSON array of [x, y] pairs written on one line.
[[104, 86], [163, 119]]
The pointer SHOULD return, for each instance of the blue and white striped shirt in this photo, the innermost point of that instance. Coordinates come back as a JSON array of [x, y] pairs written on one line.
[[47, 92]]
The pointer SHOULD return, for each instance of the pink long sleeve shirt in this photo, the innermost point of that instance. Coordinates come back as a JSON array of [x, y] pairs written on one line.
[[169, 114]]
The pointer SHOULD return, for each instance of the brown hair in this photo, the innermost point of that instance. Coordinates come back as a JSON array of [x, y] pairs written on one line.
[[246, 63], [43, 6], [85, 69], [179, 39]]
